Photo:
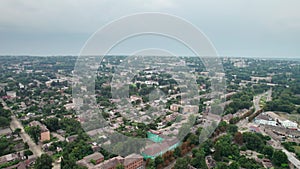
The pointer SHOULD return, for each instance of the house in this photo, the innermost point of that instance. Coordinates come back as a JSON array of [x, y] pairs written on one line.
[[175, 107], [8, 158], [210, 162], [72, 138], [11, 94], [135, 98], [254, 129], [289, 124], [190, 109], [69, 106], [265, 122], [265, 119], [227, 117], [45, 133], [61, 132], [91, 160], [267, 163], [109, 164], [5, 131]]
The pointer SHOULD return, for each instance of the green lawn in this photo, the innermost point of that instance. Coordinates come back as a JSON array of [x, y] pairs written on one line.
[[297, 149]]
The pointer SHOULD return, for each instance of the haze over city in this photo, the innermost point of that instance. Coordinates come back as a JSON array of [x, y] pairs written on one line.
[[237, 28]]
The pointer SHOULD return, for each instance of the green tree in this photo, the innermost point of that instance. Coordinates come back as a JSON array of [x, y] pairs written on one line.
[[151, 164], [221, 165], [52, 124], [43, 162], [279, 158], [158, 160], [181, 163], [4, 121], [232, 129], [199, 159], [119, 166], [17, 131], [193, 139], [177, 152], [253, 141], [268, 150], [234, 165], [34, 133]]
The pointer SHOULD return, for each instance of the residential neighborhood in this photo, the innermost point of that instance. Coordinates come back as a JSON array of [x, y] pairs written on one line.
[[163, 122]]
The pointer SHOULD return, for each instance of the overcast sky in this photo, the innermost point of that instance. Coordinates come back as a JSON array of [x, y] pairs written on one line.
[[235, 27]]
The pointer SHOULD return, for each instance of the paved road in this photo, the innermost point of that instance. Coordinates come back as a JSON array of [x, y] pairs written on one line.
[[36, 149], [269, 95], [14, 124], [256, 100]]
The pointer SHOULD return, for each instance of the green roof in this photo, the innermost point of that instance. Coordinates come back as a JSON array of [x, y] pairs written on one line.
[[154, 137]]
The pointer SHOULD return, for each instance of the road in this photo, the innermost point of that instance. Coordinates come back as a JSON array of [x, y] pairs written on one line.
[[269, 95], [36, 149], [256, 99], [14, 124]]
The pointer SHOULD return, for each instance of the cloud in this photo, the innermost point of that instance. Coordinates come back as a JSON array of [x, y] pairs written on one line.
[[236, 27]]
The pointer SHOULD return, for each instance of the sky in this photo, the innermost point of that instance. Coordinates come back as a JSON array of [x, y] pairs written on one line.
[[252, 28]]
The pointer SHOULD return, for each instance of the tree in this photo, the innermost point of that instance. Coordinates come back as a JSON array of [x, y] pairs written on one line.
[[222, 126], [181, 163], [119, 166], [224, 148], [4, 121], [34, 132], [253, 141], [52, 124], [199, 160], [238, 138], [221, 165], [177, 152], [17, 131], [28, 153], [158, 160], [279, 158], [232, 128], [150, 164], [268, 150], [198, 131], [193, 139], [43, 162], [234, 165]]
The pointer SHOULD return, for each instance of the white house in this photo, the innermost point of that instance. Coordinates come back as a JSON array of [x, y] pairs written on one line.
[[266, 122], [11, 94], [289, 124]]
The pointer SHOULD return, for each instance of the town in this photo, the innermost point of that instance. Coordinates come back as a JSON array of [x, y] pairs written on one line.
[[149, 113]]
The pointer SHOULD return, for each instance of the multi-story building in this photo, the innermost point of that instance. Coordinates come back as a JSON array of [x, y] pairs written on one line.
[[91, 160], [132, 161]]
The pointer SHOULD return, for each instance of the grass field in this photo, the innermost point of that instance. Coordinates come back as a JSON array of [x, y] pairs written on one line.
[[297, 149]]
